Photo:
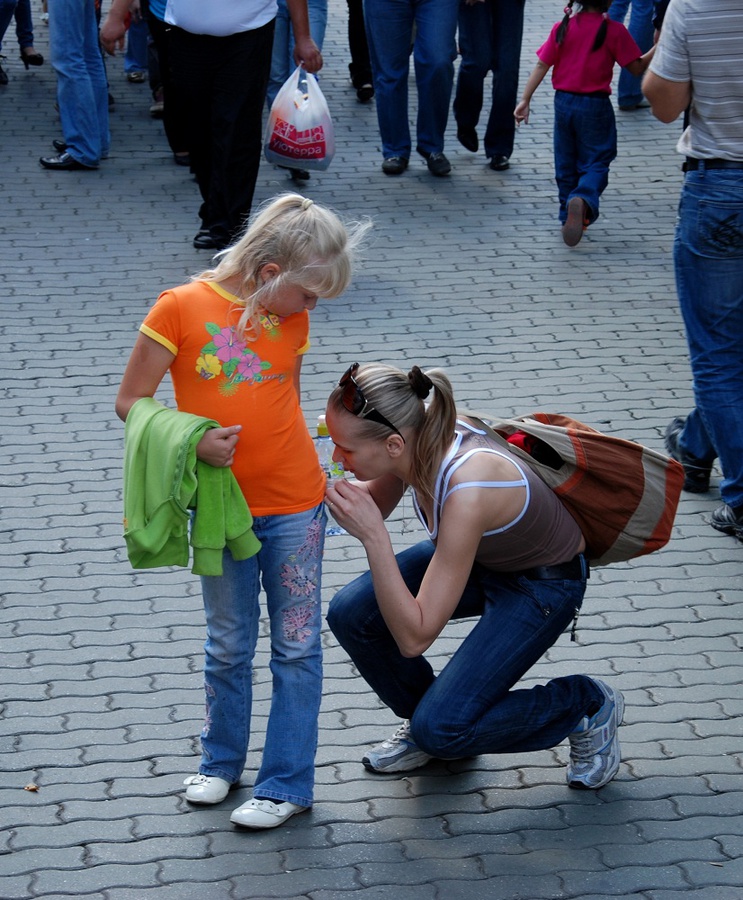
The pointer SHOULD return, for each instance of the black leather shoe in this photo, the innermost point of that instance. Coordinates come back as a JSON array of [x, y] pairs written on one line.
[[696, 473], [205, 240], [364, 93], [499, 163], [395, 165], [437, 163], [467, 137], [63, 162], [728, 520], [59, 146]]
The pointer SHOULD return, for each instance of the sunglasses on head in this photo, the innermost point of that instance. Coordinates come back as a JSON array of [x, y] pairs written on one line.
[[355, 402]]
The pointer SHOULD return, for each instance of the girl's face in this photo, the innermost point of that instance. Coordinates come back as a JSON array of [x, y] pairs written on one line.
[[363, 457], [291, 299]]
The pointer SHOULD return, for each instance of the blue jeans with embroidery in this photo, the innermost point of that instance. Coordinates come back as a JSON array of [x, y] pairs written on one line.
[[289, 566], [585, 144], [629, 89], [392, 28], [470, 707], [708, 256]]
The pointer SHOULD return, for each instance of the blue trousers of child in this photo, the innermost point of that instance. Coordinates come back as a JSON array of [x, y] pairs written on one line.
[[585, 144], [289, 567]]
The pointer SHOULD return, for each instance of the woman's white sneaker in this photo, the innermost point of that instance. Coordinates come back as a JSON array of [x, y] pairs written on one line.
[[264, 813], [206, 789], [594, 745], [397, 754]]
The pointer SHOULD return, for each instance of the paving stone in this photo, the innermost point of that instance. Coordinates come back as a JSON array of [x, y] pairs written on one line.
[[103, 700]]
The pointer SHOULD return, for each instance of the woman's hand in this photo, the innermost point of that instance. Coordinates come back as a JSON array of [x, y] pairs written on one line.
[[353, 507], [217, 446]]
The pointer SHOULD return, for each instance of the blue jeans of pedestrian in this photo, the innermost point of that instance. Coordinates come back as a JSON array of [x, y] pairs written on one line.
[[585, 144], [282, 57], [708, 256], [135, 57], [490, 40], [629, 89], [389, 31], [471, 706], [24, 28], [289, 566], [82, 90]]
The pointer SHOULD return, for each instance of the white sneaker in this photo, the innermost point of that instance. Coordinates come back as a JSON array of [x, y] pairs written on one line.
[[206, 789], [594, 745], [397, 754], [264, 813]]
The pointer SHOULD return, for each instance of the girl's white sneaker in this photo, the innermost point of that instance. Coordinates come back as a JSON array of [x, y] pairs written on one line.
[[206, 789], [264, 813]]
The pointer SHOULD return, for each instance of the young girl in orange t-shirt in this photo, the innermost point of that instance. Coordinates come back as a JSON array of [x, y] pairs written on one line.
[[233, 341]]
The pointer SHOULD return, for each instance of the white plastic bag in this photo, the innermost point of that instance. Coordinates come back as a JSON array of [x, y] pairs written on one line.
[[299, 133]]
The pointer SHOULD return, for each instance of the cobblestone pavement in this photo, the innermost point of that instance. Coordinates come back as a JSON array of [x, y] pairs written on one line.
[[101, 664]]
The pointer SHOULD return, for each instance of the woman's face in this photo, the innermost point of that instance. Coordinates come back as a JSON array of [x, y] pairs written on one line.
[[365, 458]]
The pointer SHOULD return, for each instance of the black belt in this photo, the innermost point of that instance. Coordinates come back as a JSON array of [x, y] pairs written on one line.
[[692, 164], [600, 94], [575, 569]]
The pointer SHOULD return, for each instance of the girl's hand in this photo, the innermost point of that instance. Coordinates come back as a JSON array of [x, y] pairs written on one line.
[[353, 508], [521, 113], [217, 446]]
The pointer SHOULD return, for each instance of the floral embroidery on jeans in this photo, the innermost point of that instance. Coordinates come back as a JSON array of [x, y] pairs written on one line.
[[300, 582], [295, 622], [210, 694], [310, 549]]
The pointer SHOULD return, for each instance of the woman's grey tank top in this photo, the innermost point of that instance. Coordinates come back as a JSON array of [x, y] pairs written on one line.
[[542, 534]]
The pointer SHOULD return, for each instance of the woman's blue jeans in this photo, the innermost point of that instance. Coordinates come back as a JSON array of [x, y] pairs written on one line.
[[708, 255], [289, 566], [471, 707], [585, 144], [282, 57], [389, 31], [490, 36], [82, 89]]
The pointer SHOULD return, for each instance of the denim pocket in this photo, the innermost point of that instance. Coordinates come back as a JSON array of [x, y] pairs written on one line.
[[719, 230]]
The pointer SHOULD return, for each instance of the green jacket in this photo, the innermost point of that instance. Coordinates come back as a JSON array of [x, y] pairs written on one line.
[[163, 481]]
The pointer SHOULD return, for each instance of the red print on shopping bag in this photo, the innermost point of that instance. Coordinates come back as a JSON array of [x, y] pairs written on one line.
[[300, 145], [299, 132]]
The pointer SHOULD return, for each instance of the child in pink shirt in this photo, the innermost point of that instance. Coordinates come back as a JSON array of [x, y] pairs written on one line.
[[582, 51]]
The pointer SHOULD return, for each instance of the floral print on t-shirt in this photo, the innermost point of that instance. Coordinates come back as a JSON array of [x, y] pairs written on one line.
[[229, 357]]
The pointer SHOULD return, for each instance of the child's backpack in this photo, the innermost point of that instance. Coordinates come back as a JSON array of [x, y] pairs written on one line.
[[622, 495]]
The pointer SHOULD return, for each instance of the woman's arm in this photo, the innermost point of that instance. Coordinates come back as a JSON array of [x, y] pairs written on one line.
[[416, 621]]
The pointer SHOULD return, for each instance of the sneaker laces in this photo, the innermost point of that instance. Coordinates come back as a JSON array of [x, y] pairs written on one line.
[[582, 748], [402, 735]]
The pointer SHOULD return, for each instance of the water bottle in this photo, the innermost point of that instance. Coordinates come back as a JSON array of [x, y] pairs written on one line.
[[333, 470]]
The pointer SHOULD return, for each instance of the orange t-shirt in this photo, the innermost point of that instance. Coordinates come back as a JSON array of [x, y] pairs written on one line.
[[221, 376]]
